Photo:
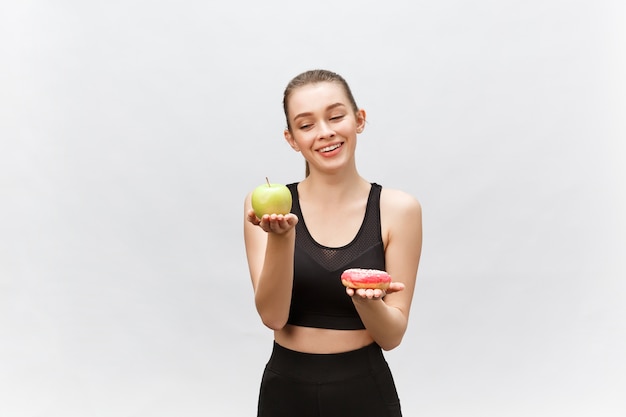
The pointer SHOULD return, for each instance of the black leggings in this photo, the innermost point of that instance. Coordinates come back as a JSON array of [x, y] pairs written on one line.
[[356, 383]]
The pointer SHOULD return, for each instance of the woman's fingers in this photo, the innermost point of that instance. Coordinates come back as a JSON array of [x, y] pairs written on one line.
[[374, 293], [369, 293], [395, 287], [278, 223]]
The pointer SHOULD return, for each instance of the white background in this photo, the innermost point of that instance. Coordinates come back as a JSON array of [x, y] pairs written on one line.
[[132, 130]]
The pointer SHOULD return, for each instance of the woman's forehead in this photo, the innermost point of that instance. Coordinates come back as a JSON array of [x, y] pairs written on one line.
[[313, 96]]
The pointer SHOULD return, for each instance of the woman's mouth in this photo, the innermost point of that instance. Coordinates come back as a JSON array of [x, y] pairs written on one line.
[[330, 148]]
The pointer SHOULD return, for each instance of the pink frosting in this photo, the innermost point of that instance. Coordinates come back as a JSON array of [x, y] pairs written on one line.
[[365, 275]]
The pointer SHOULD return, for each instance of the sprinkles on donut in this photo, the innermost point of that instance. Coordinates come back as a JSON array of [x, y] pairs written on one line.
[[365, 278]]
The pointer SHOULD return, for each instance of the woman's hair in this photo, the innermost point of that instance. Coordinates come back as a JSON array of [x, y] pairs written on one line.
[[313, 77]]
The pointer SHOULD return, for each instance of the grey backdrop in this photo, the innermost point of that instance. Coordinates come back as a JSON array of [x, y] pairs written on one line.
[[132, 130]]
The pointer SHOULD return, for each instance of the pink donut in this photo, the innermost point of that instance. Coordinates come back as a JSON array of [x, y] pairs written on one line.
[[365, 278]]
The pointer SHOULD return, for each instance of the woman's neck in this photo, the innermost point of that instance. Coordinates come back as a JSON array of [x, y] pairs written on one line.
[[333, 188]]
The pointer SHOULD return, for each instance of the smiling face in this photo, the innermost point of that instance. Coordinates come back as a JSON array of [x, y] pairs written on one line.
[[323, 125]]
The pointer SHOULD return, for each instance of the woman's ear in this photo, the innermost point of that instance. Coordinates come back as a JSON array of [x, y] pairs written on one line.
[[291, 141], [360, 120]]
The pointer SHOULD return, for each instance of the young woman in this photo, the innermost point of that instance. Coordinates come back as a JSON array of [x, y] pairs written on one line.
[[327, 357]]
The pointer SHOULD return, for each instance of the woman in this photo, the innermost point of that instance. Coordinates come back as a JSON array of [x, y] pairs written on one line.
[[327, 357]]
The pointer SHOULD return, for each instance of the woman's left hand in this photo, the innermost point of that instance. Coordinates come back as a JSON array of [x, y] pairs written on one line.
[[374, 294]]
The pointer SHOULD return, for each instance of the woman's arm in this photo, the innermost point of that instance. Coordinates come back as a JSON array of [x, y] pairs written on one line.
[[387, 319], [270, 245]]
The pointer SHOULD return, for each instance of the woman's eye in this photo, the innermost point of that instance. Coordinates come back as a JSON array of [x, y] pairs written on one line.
[[303, 127], [338, 117]]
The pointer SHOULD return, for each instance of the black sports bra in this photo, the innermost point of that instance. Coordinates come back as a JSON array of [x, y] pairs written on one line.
[[319, 298]]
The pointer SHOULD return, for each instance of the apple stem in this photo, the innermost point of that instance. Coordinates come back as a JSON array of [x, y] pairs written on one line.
[[268, 182]]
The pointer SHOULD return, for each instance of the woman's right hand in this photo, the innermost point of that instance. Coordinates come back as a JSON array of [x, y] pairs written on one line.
[[274, 223]]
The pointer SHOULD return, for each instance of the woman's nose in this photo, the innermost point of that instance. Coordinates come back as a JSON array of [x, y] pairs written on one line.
[[325, 131]]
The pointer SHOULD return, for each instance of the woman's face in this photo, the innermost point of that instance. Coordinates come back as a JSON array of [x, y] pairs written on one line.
[[324, 125]]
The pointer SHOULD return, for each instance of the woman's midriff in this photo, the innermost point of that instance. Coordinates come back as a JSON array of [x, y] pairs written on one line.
[[314, 340]]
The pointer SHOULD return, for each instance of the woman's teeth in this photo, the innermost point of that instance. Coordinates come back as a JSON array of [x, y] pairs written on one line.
[[330, 148]]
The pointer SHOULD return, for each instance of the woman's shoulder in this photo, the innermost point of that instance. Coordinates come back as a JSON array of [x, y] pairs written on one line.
[[395, 201], [400, 215]]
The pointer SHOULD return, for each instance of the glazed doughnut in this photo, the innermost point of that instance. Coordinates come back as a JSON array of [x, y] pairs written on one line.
[[365, 278]]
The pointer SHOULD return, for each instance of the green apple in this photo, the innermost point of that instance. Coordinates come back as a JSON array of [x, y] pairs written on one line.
[[271, 199]]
